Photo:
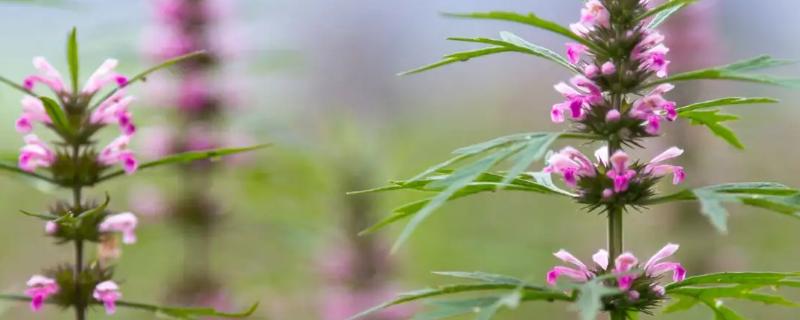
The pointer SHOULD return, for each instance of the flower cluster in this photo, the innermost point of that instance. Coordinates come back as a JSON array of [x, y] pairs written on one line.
[[638, 283], [615, 179], [83, 119], [622, 56]]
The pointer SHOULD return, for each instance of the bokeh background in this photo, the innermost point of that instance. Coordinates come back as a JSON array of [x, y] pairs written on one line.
[[317, 79]]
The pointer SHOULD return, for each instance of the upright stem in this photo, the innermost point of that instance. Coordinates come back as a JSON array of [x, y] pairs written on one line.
[[615, 232], [80, 305]]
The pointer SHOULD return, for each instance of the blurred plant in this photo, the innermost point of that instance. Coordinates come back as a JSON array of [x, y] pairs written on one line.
[[185, 26], [76, 116], [616, 96]]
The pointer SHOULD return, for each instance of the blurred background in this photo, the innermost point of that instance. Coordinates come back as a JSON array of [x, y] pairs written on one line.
[[317, 79]]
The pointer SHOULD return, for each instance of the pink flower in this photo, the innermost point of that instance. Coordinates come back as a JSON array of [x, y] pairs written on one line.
[[32, 111], [35, 154], [115, 109], [653, 107], [608, 68], [591, 70], [620, 173], [103, 76], [656, 168], [124, 223], [613, 115], [575, 51], [623, 264], [571, 164], [39, 289], [50, 228], [108, 293], [652, 53], [48, 75], [578, 100], [593, 14], [117, 152]]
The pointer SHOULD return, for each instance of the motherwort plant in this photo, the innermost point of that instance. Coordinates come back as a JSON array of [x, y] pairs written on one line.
[[72, 160], [617, 96]]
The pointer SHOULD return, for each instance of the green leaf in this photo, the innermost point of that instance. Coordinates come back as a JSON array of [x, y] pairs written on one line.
[[533, 151], [17, 86], [452, 308], [91, 213], [529, 19], [72, 58], [730, 101], [590, 297], [712, 120], [452, 184], [186, 157], [142, 76], [36, 215], [459, 57], [483, 277], [13, 168], [735, 278], [712, 198], [664, 11], [57, 115], [509, 43], [736, 72], [537, 50], [187, 313], [486, 182]]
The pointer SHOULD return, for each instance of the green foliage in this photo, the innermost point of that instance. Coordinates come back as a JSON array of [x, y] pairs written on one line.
[[529, 19], [471, 178], [770, 196], [662, 12], [60, 121], [713, 121], [712, 290], [160, 311], [187, 313], [186, 157], [504, 291], [509, 43], [697, 114], [72, 58], [142, 76], [736, 72]]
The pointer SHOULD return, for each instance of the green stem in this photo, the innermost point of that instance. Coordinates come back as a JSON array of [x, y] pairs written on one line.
[[80, 305], [615, 245], [618, 315]]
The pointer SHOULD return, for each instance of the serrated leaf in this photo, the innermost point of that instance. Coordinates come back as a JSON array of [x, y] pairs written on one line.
[[736, 72], [186, 157], [730, 101], [590, 298], [529, 19], [57, 115], [712, 120], [187, 313], [72, 58], [662, 12]]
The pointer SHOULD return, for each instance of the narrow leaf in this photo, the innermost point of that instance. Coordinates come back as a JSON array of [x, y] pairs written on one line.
[[455, 182], [57, 115], [662, 12], [462, 56], [735, 72], [535, 150], [13, 168], [72, 58], [730, 101], [529, 19], [186, 157], [187, 313], [142, 76], [16, 86]]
